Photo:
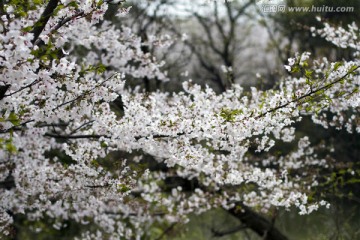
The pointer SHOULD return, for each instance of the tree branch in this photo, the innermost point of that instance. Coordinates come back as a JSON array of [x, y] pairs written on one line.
[[256, 222], [86, 92], [66, 20], [15, 128], [8, 183], [207, 30], [3, 90], [73, 136], [312, 91], [22, 88], [45, 16]]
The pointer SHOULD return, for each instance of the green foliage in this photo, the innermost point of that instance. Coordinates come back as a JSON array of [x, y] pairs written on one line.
[[339, 179], [21, 7], [7, 142], [73, 4], [58, 8], [7, 145], [100, 3], [46, 52], [123, 188], [98, 69], [13, 118], [229, 114]]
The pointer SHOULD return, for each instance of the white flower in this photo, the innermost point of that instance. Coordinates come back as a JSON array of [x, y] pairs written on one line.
[[288, 68], [291, 61], [184, 37]]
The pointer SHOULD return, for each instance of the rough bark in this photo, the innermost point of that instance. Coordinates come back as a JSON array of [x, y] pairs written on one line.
[[257, 223]]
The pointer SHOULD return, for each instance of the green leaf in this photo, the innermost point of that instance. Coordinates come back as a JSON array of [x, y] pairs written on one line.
[[100, 69], [295, 69], [337, 65], [58, 8], [73, 4], [123, 188], [103, 144], [100, 3], [229, 115], [94, 163], [308, 74], [10, 147], [14, 119], [27, 29]]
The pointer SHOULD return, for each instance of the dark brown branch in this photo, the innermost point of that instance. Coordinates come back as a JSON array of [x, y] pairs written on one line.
[[218, 23], [22, 88], [3, 90], [8, 183], [74, 136], [97, 186], [37, 29], [62, 22], [15, 128], [160, 136], [243, 8], [2, 10], [256, 222], [66, 20], [45, 16], [41, 125], [81, 126]]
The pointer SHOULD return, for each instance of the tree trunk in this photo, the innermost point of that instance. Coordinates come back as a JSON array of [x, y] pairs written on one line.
[[257, 223]]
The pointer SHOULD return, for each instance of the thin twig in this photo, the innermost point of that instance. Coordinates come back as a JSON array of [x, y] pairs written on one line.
[[22, 88], [81, 126], [83, 94], [325, 87], [15, 128], [74, 136]]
